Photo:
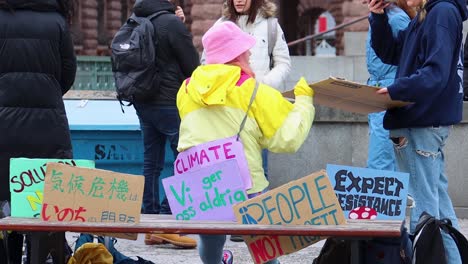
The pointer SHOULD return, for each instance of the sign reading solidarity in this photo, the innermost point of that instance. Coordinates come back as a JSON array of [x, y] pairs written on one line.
[[368, 193], [27, 183]]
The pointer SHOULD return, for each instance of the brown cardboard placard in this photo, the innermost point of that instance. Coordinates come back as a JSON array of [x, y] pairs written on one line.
[[307, 201], [349, 96], [91, 195]]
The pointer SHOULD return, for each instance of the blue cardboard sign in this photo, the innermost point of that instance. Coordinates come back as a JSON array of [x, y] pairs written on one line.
[[368, 193]]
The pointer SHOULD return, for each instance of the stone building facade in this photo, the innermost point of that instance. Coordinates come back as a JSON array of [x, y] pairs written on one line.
[[96, 21]]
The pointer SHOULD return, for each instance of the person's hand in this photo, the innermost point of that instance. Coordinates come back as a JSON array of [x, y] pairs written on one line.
[[302, 88], [377, 6], [180, 13], [384, 92]]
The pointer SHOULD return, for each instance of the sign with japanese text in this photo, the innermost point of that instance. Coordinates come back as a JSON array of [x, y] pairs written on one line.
[[212, 152], [370, 194], [91, 195], [207, 193], [307, 201], [27, 183]]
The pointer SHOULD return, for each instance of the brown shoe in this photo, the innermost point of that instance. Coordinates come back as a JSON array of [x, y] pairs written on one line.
[[174, 239]]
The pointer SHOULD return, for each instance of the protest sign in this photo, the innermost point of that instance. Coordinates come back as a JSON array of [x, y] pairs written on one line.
[[27, 183], [207, 193], [307, 201], [212, 152], [368, 193], [91, 195], [350, 96]]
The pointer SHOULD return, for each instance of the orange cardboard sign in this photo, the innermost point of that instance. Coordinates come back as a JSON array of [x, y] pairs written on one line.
[[91, 195], [307, 201], [350, 96]]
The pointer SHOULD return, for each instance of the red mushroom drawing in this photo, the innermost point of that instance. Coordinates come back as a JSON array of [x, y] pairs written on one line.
[[363, 212]]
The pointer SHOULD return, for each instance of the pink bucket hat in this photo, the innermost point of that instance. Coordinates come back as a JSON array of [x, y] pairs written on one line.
[[224, 42]]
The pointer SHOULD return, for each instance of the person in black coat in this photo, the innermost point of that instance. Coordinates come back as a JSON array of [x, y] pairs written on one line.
[[37, 68], [177, 58]]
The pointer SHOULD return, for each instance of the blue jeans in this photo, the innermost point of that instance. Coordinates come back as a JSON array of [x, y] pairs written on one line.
[[211, 246], [158, 123], [211, 249], [419, 151], [380, 150]]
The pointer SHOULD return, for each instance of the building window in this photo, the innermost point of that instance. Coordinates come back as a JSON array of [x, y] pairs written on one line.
[[103, 37]]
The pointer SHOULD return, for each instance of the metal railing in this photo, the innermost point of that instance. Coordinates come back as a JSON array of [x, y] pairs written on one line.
[[340, 26]]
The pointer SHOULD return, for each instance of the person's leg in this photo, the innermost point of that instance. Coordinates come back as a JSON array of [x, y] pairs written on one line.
[[210, 248], [164, 120], [15, 247], [152, 150], [380, 149], [419, 152], [446, 209], [169, 126]]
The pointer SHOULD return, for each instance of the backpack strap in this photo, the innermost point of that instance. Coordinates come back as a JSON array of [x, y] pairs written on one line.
[[254, 93], [458, 237], [272, 36], [157, 14]]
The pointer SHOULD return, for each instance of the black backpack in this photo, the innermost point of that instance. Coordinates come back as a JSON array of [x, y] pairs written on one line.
[[424, 247], [428, 245], [133, 59], [374, 251]]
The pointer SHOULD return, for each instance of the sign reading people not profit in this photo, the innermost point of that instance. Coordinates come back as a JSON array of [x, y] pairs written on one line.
[[212, 152], [207, 193], [27, 183], [91, 195], [307, 201], [368, 193]]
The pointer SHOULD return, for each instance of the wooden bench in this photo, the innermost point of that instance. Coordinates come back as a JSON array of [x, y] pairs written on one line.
[[53, 231]]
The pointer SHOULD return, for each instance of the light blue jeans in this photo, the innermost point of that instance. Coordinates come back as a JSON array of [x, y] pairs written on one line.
[[211, 247], [419, 151], [380, 155]]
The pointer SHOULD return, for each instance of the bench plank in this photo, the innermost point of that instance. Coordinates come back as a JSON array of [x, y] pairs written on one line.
[[165, 224]]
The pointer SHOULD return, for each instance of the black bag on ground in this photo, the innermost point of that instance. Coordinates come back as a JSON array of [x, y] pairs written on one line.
[[428, 245], [133, 60], [374, 251]]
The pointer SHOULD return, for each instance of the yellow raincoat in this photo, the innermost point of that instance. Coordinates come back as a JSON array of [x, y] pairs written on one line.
[[91, 253], [213, 102]]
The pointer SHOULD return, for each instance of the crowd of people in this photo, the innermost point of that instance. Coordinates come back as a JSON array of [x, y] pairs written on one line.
[[414, 53]]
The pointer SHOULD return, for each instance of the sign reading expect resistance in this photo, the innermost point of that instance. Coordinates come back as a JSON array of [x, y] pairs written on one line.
[[370, 194]]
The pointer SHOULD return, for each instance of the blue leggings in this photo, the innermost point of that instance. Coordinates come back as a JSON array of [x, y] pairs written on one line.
[[211, 249]]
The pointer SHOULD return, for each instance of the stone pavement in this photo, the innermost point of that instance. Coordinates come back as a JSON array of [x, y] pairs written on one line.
[[167, 254]]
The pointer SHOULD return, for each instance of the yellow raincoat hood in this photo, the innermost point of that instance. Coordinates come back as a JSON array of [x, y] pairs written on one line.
[[213, 102]]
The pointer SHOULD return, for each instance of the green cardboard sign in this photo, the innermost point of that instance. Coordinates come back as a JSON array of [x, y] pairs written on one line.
[[27, 183]]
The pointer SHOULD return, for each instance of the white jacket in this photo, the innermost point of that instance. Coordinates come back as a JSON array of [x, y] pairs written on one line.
[[260, 60]]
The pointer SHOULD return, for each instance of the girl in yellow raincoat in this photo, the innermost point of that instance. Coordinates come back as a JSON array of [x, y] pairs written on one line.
[[213, 102]]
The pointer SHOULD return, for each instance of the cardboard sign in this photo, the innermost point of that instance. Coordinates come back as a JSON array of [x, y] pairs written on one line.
[[27, 183], [213, 152], [206, 194], [307, 201], [350, 96], [370, 194], [91, 195]]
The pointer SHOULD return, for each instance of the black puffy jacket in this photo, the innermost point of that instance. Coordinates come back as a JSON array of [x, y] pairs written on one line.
[[37, 66], [175, 53]]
